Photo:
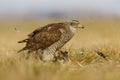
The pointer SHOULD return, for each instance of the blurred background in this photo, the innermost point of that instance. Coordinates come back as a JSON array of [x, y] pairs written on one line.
[[58, 9]]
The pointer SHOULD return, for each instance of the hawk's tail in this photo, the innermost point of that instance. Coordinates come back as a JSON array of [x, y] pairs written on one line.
[[22, 50], [25, 40]]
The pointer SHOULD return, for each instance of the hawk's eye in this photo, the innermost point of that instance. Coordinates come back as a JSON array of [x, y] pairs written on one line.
[[72, 24]]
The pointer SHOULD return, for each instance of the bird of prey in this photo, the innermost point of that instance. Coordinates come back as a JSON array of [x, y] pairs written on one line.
[[49, 39]]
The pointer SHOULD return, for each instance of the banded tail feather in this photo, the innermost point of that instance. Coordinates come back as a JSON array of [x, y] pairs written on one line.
[[22, 41]]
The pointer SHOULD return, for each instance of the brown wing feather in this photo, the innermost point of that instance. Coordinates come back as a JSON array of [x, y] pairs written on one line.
[[43, 37], [46, 28], [43, 40]]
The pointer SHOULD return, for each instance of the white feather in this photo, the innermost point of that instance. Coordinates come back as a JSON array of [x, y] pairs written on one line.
[[72, 29]]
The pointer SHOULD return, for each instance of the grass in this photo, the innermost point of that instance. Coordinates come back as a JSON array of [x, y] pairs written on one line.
[[99, 34]]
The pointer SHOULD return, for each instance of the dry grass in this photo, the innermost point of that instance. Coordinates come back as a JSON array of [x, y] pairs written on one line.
[[99, 35]]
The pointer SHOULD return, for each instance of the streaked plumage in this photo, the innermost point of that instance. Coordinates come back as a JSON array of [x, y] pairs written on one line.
[[50, 38]]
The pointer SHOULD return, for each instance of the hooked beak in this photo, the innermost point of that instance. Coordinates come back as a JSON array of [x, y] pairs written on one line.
[[81, 26]]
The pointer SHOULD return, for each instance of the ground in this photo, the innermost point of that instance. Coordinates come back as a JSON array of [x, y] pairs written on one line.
[[99, 35]]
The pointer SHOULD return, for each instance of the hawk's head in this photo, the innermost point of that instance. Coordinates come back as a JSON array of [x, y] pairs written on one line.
[[76, 24]]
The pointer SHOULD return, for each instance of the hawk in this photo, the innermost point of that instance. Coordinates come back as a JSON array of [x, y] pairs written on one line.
[[49, 39]]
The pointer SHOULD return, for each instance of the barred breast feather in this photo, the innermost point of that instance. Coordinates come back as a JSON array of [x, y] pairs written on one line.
[[49, 53]]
